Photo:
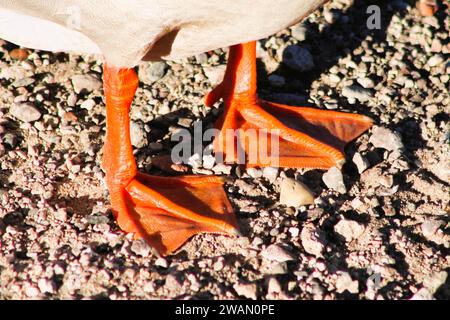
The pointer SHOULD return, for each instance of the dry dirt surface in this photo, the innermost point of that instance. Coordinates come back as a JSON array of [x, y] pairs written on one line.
[[377, 229]]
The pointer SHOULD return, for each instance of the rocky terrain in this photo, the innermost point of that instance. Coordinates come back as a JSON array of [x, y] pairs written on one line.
[[377, 229]]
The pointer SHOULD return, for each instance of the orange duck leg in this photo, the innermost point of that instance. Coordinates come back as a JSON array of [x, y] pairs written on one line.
[[427, 8], [303, 137], [165, 211]]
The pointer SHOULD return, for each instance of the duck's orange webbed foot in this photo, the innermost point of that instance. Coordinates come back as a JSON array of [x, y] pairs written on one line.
[[272, 134], [165, 211]]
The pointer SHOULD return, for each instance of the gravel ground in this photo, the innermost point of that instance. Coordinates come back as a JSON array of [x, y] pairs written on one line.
[[378, 229]]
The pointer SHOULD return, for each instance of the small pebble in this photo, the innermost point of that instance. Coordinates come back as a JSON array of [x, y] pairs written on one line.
[[215, 74], [298, 58], [246, 290], [294, 193], [138, 135], [277, 253], [334, 179], [345, 282], [273, 286], [300, 32], [141, 248], [254, 173], [430, 227], [386, 139], [152, 71], [435, 280], [349, 229], [86, 82], [161, 262], [357, 92], [25, 112], [270, 173], [361, 163], [208, 161], [88, 104], [46, 286], [366, 83], [294, 232], [195, 161], [310, 240]]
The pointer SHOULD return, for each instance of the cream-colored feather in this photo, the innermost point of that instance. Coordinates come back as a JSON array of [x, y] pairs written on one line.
[[128, 31]]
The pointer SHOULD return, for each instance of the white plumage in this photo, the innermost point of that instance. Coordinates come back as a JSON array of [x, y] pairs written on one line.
[[128, 31]]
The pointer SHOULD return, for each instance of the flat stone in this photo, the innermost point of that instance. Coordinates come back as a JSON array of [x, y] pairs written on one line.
[[172, 282], [185, 122], [430, 227], [345, 282], [215, 74], [86, 82], [208, 161], [152, 71], [201, 58], [277, 253], [140, 248], [195, 160], [270, 173], [366, 83], [334, 179], [435, 280], [300, 32], [384, 138], [435, 60], [97, 219], [310, 240], [273, 286], [293, 193], [221, 169], [298, 58], [254, 173], [25, 112], [88, 104], [246, 290], [161, 262], [361, 163], [138, 135], [422, 294], [24, 82], [46, 285], [349, 229], [375, 177], [275, 268], [357, 92]]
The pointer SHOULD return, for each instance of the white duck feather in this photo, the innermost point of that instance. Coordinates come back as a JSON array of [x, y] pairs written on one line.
[[128, 31]]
